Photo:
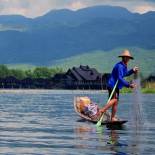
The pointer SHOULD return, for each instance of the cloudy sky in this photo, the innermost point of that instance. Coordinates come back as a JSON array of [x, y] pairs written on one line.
[[34, 8]]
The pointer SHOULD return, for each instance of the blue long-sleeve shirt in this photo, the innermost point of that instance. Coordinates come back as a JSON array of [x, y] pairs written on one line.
[[118, 73]]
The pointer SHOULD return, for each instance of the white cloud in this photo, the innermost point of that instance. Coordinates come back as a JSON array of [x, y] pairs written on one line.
[[76, 5], [30, 8], [144, 8], [33, 8]]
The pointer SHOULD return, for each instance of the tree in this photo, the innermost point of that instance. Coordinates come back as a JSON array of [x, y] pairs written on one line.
[[55, 71], [4, 71], [41, 72], [29, 73], [18, 74]]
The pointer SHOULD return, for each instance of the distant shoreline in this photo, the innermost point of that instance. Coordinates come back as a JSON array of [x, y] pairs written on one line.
[[69, 91], [56, 91]]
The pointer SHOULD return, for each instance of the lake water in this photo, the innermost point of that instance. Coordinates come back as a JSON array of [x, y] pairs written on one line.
[[44, 122]]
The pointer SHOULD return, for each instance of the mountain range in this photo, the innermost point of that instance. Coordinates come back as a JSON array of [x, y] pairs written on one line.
[[60, 34]]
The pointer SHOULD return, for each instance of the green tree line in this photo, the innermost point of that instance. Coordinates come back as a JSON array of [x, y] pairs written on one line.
[[38, 72]]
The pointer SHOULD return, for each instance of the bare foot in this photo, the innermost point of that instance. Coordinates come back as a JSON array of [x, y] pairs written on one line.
[[114, 119]]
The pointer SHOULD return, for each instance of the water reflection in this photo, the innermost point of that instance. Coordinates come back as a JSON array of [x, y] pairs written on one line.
[[108, 141], [83, 136]]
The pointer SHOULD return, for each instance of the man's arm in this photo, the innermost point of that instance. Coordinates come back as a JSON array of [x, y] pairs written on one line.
[[120, 77], [131, 71]]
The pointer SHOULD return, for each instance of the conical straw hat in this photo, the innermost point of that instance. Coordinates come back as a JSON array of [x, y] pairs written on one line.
[[126, 53]]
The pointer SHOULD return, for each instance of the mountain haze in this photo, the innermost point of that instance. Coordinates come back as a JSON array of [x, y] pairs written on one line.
[[64, 33]]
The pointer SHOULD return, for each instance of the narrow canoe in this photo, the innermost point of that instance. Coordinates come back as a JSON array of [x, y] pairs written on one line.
[[106, 118]]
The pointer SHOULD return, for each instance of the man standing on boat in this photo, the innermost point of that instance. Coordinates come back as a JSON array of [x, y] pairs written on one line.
[[118, 73]]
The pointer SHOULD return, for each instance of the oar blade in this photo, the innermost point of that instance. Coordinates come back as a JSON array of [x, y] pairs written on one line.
[[98, 123]]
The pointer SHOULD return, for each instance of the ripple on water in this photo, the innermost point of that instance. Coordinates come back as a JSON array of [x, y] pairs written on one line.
[[44, 122]]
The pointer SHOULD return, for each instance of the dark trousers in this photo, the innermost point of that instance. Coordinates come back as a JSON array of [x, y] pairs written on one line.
[[115, 94]]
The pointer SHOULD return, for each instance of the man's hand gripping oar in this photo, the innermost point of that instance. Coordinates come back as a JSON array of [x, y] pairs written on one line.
[[100, 120]]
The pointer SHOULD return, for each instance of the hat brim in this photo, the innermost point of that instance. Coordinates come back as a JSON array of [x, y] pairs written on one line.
[[126, 56]]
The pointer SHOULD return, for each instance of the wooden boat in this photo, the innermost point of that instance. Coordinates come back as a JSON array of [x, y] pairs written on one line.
[[106, 118]]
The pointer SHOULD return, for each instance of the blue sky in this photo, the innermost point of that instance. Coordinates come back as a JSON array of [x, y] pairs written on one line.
[[34, 8]]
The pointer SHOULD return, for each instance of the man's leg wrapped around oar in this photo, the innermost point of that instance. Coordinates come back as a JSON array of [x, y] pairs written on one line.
[[109, 104]]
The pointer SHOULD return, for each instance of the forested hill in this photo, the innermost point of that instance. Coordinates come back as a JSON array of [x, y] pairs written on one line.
[[64, 33], [105, 60]]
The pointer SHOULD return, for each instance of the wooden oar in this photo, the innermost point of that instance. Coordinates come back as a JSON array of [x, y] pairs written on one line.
[[100, 120]]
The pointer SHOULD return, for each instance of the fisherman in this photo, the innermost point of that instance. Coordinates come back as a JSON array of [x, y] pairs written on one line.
[[118, 73]]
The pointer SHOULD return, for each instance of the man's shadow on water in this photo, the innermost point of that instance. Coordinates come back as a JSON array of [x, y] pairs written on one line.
[[113, 143], [115, 127]]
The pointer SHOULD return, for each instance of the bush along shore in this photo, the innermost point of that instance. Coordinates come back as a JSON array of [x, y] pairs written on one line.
[[147, 88]]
